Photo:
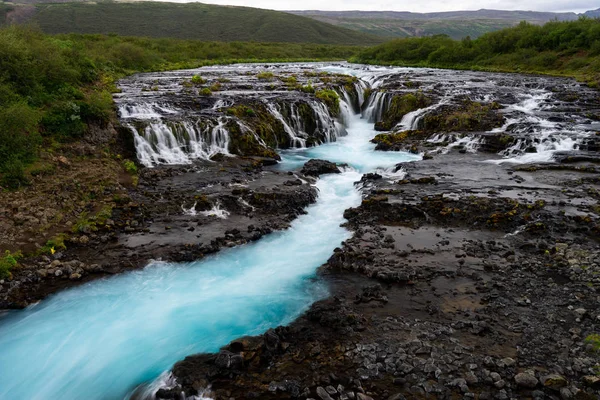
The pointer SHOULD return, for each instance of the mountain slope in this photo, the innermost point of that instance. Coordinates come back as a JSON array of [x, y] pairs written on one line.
[[593, 13], [456, 24], [187, 21]]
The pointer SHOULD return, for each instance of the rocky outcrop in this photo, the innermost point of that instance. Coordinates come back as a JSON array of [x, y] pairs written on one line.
[[319, 167]]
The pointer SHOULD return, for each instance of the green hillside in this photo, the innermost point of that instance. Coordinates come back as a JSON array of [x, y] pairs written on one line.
[[456, 24], [456, 29], [188, 21], [570, 48]]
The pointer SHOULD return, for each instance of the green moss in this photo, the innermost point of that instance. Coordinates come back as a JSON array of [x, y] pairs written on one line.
[[265, 76], [330, 98], [198, 80], [399, 107], [468, 117], [398, 140]]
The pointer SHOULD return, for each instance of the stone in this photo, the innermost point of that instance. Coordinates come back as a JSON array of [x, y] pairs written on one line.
[[362, 396], [471, 378], [331, 390], [322, 393], [58, 273], [566, 394], [509, 362], [554, 381], [319, 167], [526, 380], [580, 312], [75, 276], [592, 381]]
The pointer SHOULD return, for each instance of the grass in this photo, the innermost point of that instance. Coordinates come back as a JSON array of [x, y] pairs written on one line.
[[191, 21]]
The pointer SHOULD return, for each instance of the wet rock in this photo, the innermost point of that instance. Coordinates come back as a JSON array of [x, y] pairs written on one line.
[[316, 167], [75, 276]]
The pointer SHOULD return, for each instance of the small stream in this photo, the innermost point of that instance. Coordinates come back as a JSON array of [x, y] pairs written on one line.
[[103, 339]]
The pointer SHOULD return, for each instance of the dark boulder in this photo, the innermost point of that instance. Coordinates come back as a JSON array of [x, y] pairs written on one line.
[[320, 167]]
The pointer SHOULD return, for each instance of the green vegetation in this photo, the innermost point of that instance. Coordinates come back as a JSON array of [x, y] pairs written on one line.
[[562, 48], [8, 262], [190, 21], [130, 167], [594, 340], [53, 88], [403, 28], [330, 98], [265, 76], [468, 117], [198, 80], [456, 24]]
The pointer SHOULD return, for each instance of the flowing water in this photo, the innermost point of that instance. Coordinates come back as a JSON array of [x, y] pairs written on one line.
[[102, 339]]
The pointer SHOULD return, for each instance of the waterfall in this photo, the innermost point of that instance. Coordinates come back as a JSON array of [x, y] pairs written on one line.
[[297, 135], [376, 106], [179, 142], [410, 121]]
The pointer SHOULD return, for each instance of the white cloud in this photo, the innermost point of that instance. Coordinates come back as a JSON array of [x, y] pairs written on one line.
[[420, 6]]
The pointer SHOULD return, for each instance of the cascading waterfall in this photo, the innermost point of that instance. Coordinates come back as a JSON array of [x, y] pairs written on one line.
[[376, 106], [537, 137], [144, 111], [410, 121], [179, 142], [297, 135]]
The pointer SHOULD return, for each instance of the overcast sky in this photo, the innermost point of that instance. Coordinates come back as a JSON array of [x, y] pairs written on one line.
[[414, 6]]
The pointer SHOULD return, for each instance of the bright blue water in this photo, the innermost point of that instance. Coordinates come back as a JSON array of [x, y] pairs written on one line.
[[102, 339]]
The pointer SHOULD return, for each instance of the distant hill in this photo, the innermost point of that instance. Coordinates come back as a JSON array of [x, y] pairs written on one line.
[[456, 24], [593, 13], [184, 21]]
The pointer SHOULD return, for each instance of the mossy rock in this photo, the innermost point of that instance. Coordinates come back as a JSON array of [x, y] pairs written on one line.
[[398, 140], [469, 116], [399, 107]]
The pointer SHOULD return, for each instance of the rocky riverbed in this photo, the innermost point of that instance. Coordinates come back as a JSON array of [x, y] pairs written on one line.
[[476, 283]]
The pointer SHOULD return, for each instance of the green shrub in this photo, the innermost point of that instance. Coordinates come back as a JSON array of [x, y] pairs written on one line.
[[198, 80], [265, 76], [63, 121], [130, 167], [13, 174], [205, 92], [8, 262]]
